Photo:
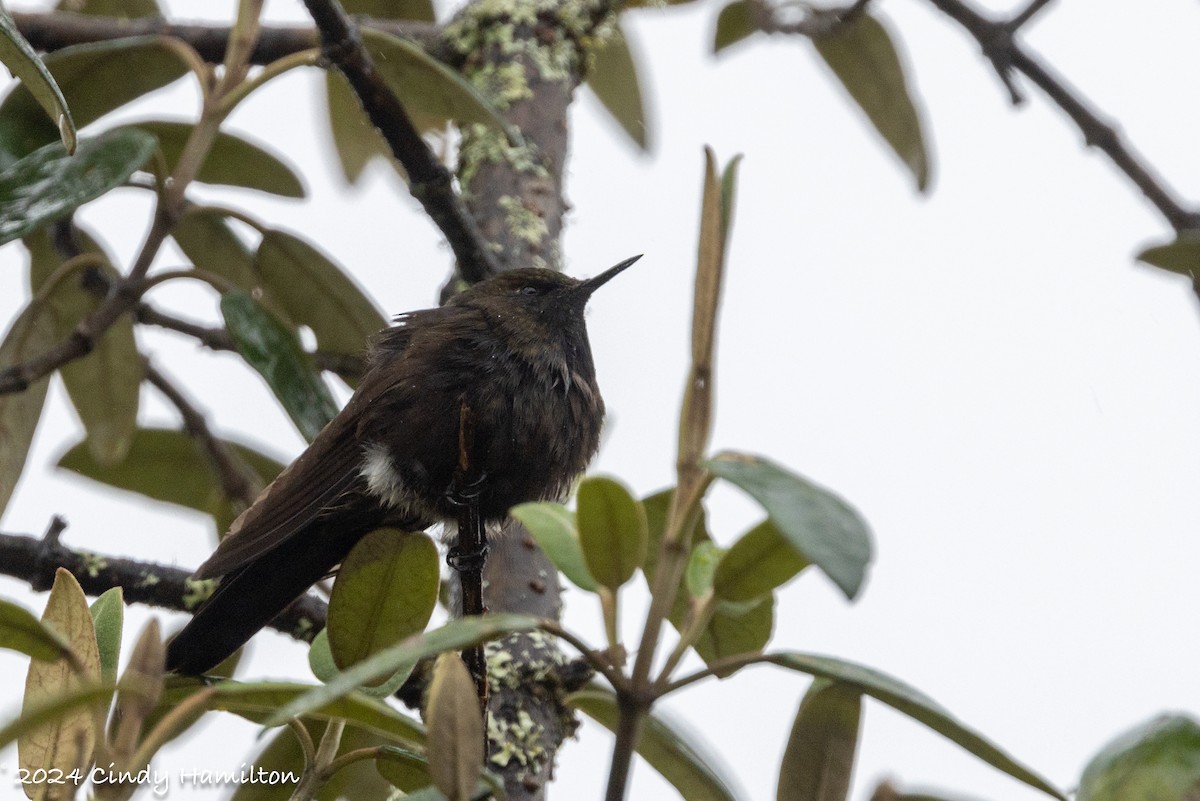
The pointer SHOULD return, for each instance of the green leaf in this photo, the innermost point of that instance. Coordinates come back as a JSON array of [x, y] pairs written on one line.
[[232, 161], [756, 564], [167, 465], [31, 334], [734, 630], [861, 54], [424, 84], [612, 530], [666, 749], [1181, 256], [23, 62], [421, 10], [657, 507], [385, 591], [355, 139], [406, 770], [552, 526], [48, 184], [734, 23], [614, 78], [315, 292], [273, 351], [455, 635], [918, 706], [818, 762], [103, 385], [122, 9], [207, 239], [108, 615], [822, 527], [1156, 761], [95, 79], [700, 568], [21, 631]]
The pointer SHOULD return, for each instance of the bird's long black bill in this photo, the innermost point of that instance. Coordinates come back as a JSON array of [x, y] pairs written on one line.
[[592, 284]]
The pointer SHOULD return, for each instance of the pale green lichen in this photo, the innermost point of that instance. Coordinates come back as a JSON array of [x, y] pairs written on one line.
[[93, 563], [481, 145], [150, 580], [197, 591], [523, 223]]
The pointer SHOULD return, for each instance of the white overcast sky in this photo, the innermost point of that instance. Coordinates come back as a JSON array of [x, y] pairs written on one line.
[[984, 372]]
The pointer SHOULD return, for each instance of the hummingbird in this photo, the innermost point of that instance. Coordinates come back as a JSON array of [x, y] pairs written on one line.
[[513, 350]]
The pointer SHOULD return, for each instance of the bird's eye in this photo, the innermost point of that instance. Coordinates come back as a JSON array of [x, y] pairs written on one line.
[[529, 290]]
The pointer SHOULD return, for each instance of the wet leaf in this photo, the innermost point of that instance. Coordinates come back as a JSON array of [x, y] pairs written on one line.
[[23, 62], [385, 591], [275, 353], [95, 79], [819, 525], [818, 762], [48, 184], [861, 54], [614, 78]]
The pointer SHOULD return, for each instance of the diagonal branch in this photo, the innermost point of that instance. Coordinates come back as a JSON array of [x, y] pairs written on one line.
[[429, 180], [1006, 54]]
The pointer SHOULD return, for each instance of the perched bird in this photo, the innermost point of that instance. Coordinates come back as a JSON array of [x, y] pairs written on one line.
[[513, 350]]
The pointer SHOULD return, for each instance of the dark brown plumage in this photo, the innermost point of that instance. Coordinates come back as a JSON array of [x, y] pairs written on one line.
[[514, 349]]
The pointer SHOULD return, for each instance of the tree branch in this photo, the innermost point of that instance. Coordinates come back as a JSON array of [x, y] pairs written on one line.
[[429, 180], [34, 560], [1002, 49], [56, 30]]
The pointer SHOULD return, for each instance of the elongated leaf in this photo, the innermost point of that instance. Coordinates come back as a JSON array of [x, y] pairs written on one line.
[[1181, 256], [315, 292], [207, 239], [355, 139], [553, 528], [455, 635], [31, 334], [861, 54], [273, 351], [103, 385], [52, 709], [21, 631], [657, 507], [385, 591], [734, 23], [406, 770], [232, 161], [23, 62], [701, 567], [422, 83], [66, 743], [108, 615], [614, 78], [95, 79], [666, 749], [122, 9], [612, 530], [421, 10], [141, 689], [818, 762], [455, 729], [48, 184], [822, 527], [761, 560], [166, 465], [916, 705], [1156, 761]]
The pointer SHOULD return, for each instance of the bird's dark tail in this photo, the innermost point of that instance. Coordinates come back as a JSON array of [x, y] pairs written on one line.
[[248, 598]]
